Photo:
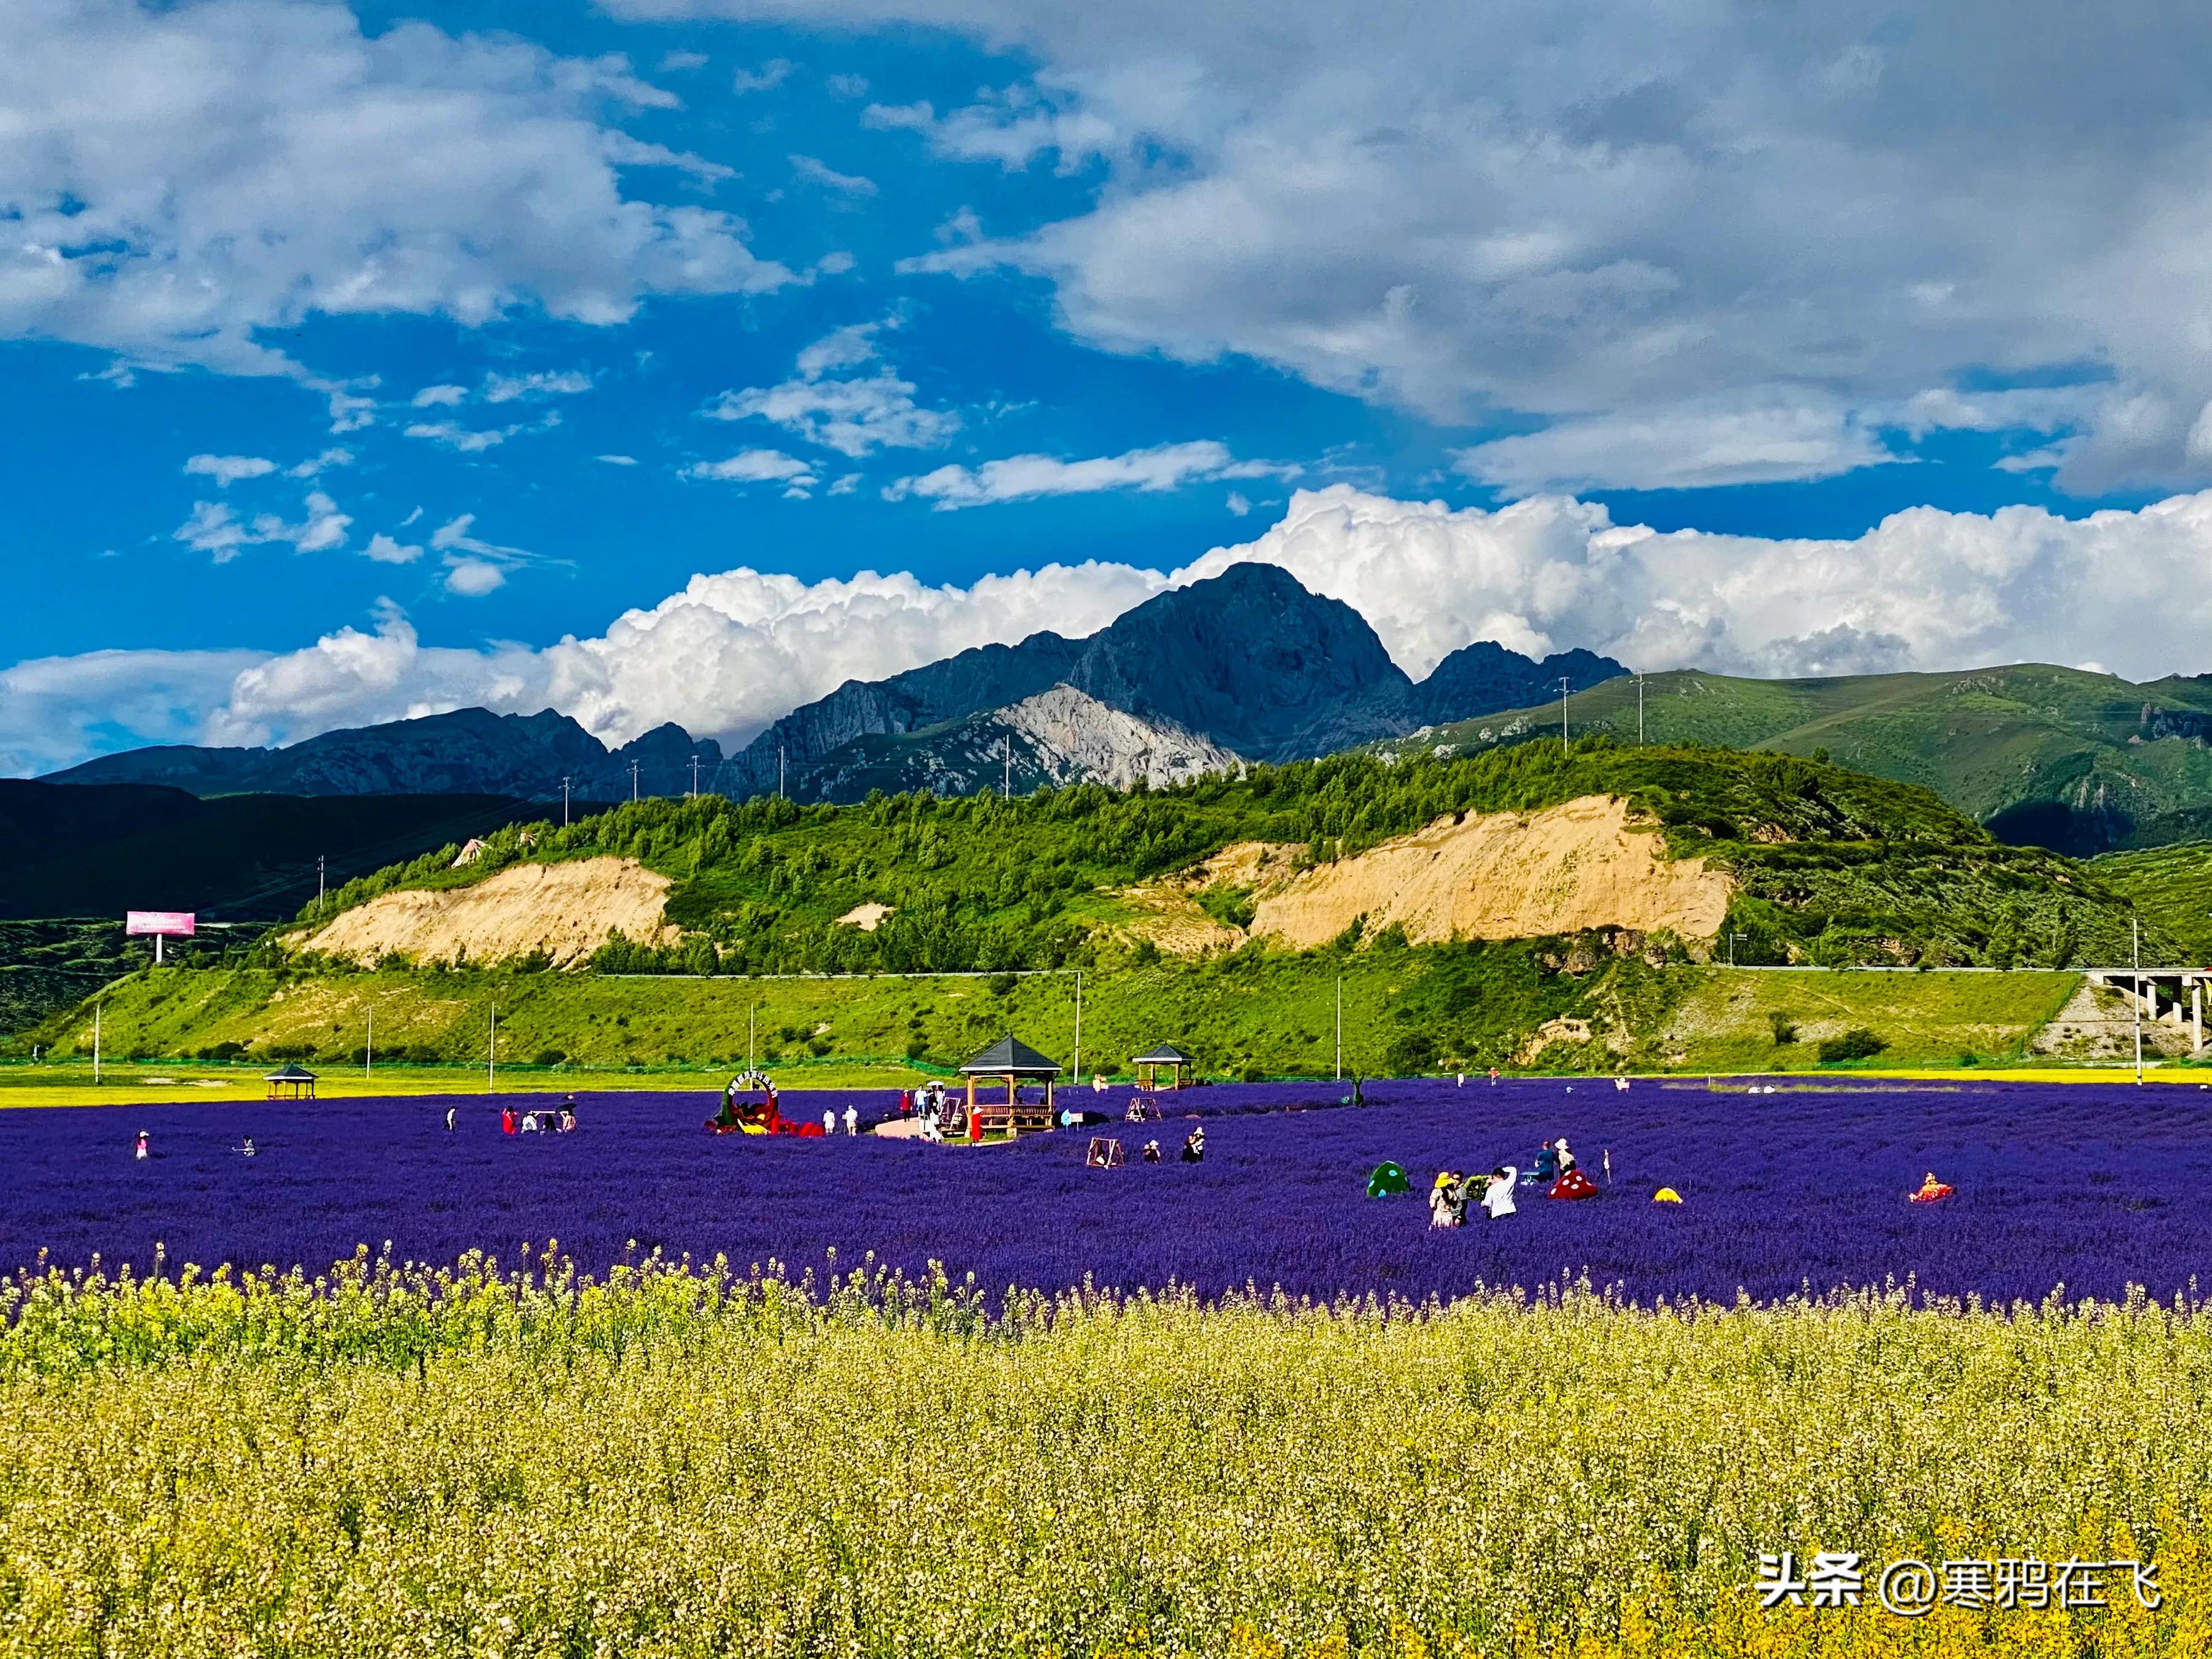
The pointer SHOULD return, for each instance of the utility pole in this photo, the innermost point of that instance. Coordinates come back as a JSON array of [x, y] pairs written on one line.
[[491, 1054], [2134, 926], [1562, 714], [1733, 938], [778, 771], [96, 1007], [564, 803], [1077, 1075], [694, 777], [1340, 1028], [1640, 711], [1006, 789], [751, 1008], [368, 1046], [633, 783], [318, 885]]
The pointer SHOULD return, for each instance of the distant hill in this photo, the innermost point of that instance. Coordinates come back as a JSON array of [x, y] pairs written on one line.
[[1247, 661], [2043, 755], [99, 850], [1766, 857], [469, 751]]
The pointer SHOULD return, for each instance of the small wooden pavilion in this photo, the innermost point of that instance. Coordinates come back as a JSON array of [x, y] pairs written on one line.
[[1163, 1066], [293, 1082], [1013, 1062]]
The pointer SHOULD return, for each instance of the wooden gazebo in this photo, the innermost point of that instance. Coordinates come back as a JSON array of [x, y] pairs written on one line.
[[1013, 1062], [1166, 1058], [293, 1082]]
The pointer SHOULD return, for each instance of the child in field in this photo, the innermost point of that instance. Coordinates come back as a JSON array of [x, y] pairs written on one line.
[[144, 1149]]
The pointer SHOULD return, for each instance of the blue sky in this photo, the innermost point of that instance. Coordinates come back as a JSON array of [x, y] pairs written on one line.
[[360, 360]]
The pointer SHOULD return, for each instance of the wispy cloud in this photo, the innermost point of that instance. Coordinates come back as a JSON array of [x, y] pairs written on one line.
[[228, 469], [1025, 477]]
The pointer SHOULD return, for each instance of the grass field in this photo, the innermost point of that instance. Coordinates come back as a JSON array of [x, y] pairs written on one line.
[[675, 1464], [1405, 1011]]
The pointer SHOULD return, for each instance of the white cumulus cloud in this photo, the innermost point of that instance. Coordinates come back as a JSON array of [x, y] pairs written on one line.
[[1600, 211], [1923, 589], [178, 179]]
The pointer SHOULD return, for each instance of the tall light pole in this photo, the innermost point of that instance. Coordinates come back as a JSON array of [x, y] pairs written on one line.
[[368, 1043], [320, 863], [694, 776], [2134, 927], [1733, 938], [491, 1054], [778, 771], [633, 783], [1006, 789], [1340, 1028], [564, 803], [1077, 1074], [1640, 711], [1562, 714]]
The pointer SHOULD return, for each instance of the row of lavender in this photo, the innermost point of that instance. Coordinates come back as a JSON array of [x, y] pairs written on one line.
[[2091, 1187]]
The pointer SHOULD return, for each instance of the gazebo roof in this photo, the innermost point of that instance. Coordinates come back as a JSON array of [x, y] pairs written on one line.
[[1163, 1054], [1011, 1057], [292, 1073]]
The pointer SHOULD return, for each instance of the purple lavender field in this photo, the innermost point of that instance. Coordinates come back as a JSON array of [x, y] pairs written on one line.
[[2091, 1187]]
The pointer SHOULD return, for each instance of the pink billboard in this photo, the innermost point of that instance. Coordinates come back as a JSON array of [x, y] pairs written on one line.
[[176, 924]]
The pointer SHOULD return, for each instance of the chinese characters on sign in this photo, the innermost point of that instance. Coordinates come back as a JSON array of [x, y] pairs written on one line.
[[1911, 1587]]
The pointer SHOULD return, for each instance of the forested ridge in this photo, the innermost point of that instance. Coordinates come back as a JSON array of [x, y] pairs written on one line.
[[1833, 866]]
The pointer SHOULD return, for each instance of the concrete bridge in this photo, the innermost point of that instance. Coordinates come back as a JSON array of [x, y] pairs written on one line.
[[2160, 992]]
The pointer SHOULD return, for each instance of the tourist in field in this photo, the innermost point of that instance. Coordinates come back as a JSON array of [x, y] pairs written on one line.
[[830, 1120], [246, 1147], [449, 1110], [1547, 1166], [1441, 1199], [144, 1149], [530, 1123], [1566, 1156], [1194, 1144], [1152, 1151], [507, 1120], [852, 1120], [1498, 1191], [1932, 1190]]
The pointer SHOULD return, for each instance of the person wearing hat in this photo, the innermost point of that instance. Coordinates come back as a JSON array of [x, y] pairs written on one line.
[[144, 1149], [1442, 1213]]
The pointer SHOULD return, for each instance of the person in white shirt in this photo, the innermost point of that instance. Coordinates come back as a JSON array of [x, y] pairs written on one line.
[[1498, 1194]]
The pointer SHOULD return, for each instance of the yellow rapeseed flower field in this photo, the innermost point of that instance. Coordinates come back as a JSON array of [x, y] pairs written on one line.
[[682, 1461]]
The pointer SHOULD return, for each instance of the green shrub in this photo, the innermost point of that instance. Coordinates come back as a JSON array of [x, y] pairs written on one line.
[[1857, 1043], [1786, 1029]]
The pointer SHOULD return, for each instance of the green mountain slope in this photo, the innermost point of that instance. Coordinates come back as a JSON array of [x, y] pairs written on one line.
[[1831, 866], [2172, 886], [2057, 756]]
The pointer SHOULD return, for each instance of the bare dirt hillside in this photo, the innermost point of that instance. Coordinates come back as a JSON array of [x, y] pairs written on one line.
[[566, 910], [1499, 875]]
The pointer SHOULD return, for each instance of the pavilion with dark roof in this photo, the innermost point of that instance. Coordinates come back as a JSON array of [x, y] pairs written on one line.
[[1162, 1057], [291, 1082], [1013, 1062]]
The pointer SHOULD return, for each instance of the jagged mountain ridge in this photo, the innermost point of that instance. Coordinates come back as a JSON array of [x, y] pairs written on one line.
[[1249, 661], [467, 751], [1246, 665]]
